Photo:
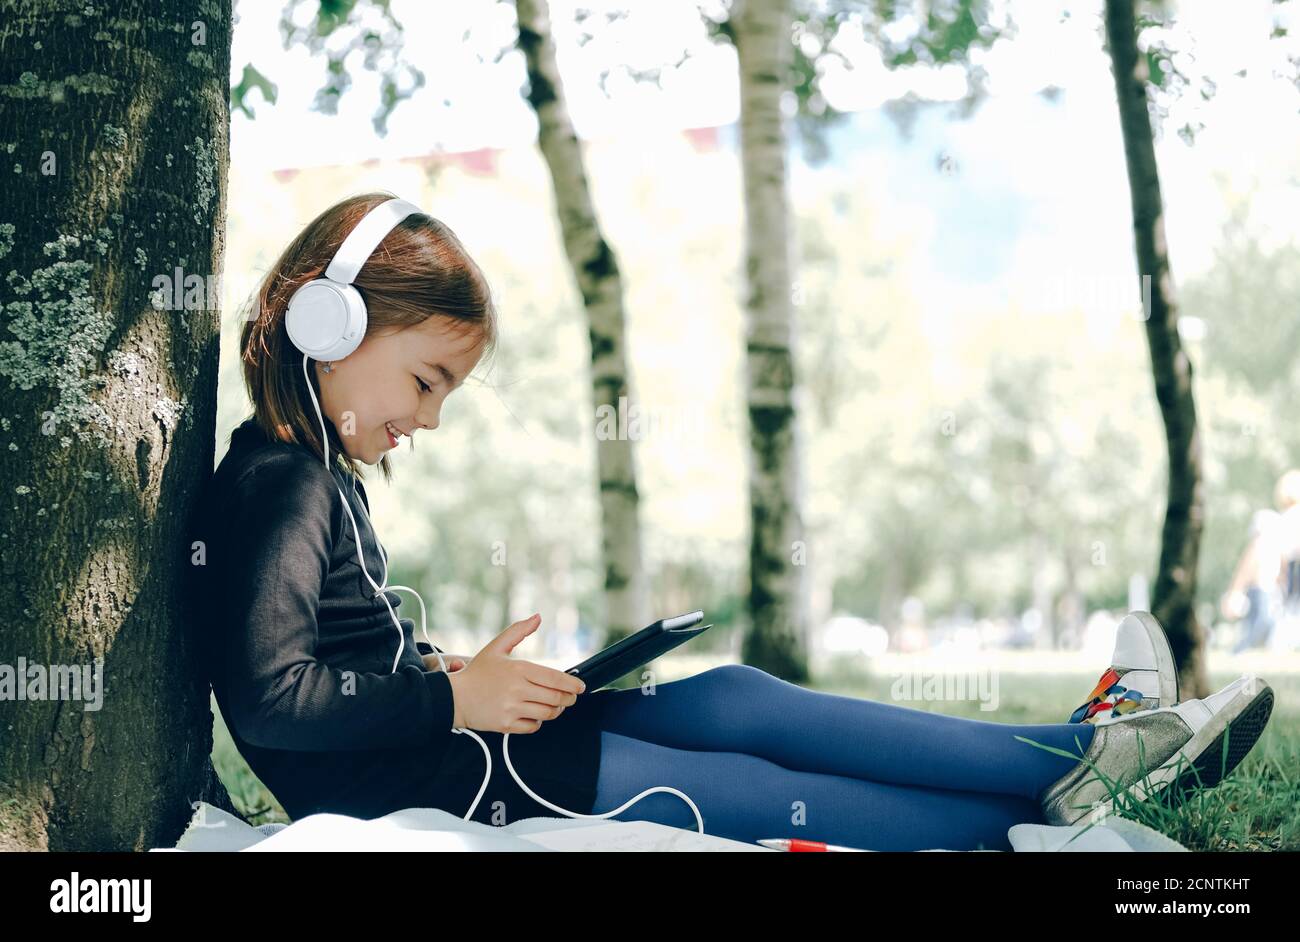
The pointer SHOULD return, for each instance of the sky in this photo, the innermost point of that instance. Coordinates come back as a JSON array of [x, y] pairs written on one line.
[[1034, 202]]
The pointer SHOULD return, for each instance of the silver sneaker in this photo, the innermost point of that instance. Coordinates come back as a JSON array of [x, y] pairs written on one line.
[[1190, 743]]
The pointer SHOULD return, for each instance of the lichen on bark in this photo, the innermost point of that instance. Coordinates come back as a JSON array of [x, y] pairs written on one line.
[[58, 335]]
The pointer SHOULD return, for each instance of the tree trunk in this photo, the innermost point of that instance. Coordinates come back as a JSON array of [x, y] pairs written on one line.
[[114, 123], [777, 547], [601, 285], [1173, 598]]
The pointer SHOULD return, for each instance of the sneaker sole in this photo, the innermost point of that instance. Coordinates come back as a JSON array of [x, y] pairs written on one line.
[[1240, 723], [1216, 762]]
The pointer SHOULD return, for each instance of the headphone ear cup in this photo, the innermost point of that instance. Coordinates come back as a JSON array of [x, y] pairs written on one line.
[[326, 319]]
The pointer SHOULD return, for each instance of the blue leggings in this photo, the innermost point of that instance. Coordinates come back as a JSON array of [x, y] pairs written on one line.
[[762, 757]]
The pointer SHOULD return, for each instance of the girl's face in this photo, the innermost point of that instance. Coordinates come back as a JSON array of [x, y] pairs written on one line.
[[397, 377]]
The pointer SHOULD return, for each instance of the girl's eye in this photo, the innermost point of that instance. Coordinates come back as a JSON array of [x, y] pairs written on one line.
[[424, 387]]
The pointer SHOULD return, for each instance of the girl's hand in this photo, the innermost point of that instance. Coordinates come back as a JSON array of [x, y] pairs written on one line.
[[498, 693], [455, 662]]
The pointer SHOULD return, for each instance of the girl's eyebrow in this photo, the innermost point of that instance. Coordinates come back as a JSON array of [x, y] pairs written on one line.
[[451, 377]]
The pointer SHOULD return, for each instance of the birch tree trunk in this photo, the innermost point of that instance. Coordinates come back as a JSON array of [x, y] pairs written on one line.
[[777, 550], [1173, 597], [597, 274], [114, 125]]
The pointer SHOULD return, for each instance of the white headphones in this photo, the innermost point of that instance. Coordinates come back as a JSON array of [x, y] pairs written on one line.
[[326, 320]]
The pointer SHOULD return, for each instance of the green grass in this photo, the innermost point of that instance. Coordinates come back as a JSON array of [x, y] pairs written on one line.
[[252, 799], [1257, 807]]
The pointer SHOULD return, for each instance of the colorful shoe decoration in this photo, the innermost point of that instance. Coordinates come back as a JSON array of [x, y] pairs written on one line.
[[1142, 675], [1108, 698]]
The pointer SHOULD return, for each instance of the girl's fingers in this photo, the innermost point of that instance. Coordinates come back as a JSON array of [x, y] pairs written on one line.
[[529, 710], [550, 696], [454, 662], [517, 632], [553, 679]]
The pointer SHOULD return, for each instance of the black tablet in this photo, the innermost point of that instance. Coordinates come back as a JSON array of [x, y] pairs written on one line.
[[622, 657]]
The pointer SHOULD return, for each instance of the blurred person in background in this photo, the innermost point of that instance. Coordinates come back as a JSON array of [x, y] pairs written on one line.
[[1287, 635], [1264, 583]]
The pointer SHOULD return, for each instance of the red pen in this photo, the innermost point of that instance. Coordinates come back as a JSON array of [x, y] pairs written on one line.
[[799, 845]]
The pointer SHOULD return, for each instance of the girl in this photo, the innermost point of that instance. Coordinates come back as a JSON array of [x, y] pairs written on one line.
[[335, 714]]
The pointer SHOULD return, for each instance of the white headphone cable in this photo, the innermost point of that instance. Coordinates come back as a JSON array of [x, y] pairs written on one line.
[[401, 636]]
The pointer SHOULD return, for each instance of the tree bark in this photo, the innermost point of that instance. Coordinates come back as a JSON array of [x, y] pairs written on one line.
[[1173, 597], [114, 122], [596, 271], [778, 549]]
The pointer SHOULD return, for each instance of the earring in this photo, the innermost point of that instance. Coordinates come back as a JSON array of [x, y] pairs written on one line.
[[328, 368]]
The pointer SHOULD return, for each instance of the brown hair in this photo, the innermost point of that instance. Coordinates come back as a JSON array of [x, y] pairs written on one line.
[[419, 270]]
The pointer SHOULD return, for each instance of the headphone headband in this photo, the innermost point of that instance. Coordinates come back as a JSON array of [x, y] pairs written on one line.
[[365, 238]]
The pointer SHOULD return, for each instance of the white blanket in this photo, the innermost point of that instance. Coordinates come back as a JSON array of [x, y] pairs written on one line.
[[432, 829]]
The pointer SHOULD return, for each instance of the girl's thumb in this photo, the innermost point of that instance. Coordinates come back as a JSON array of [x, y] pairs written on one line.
[[519, 631]]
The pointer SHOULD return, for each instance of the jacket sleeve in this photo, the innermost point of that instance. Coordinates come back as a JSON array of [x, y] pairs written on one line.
[[272, 559]]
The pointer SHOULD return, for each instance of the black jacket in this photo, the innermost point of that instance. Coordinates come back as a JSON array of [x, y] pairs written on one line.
[[300, 654]]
